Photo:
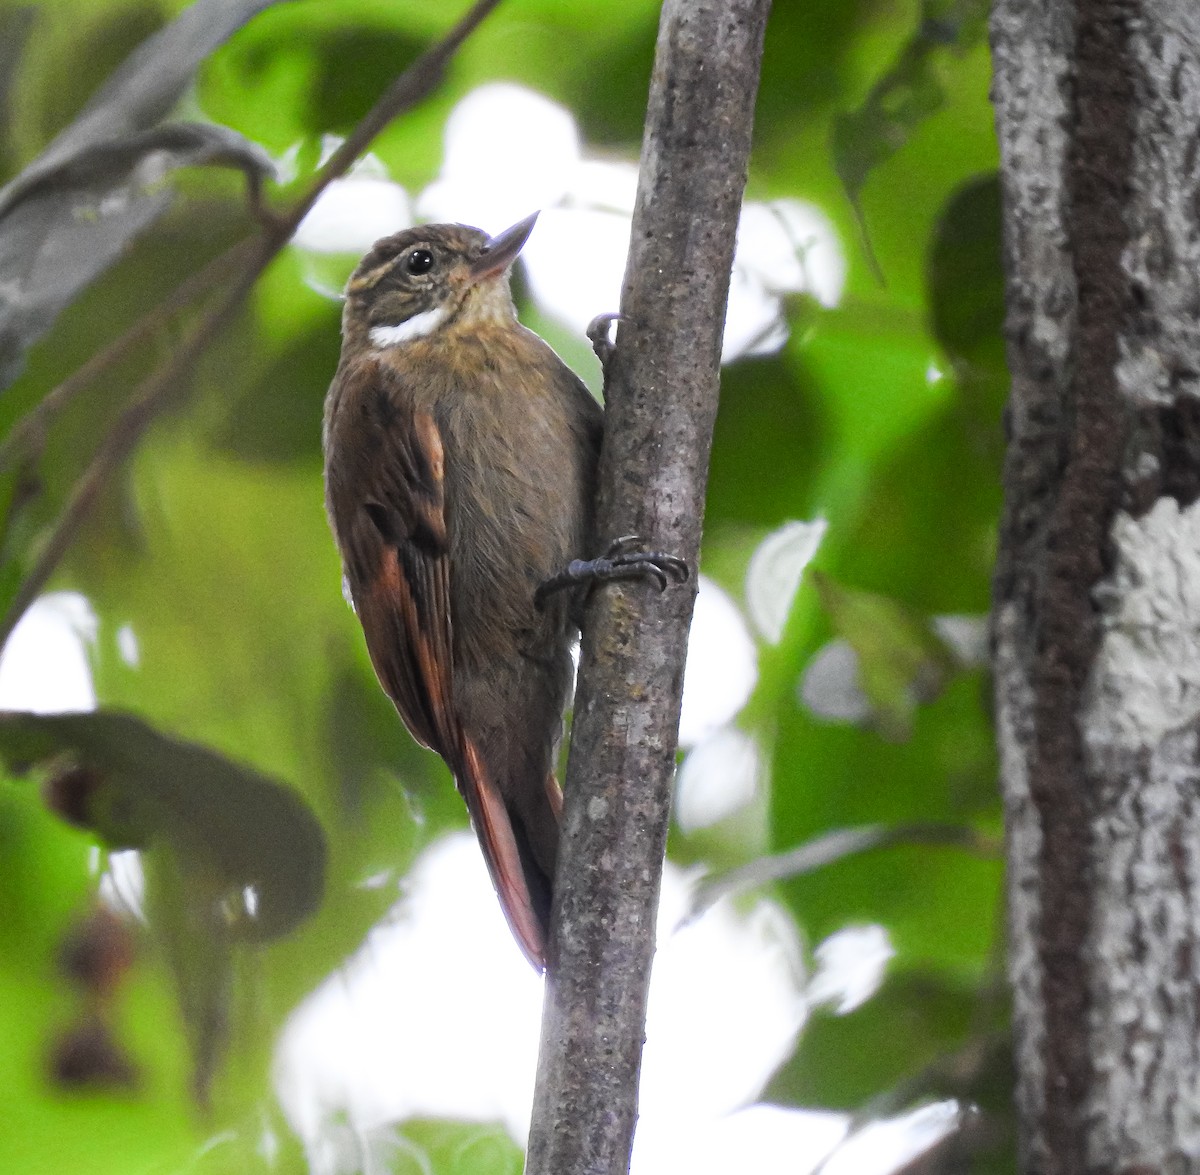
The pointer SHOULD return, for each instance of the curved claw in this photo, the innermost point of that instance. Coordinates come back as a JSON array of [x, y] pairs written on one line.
[[617, 546], [655, 566], [674, 566], [599, 334], [600, 326], [656, 574]]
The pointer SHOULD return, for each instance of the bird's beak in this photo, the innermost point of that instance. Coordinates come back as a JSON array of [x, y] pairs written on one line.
[[500, 251]]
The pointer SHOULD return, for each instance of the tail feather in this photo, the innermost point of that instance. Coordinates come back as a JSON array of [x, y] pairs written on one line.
[[522, 885]]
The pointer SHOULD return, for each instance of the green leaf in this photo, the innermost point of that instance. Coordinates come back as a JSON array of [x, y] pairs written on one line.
[[72, 211], [454, 1148], [966, 283], [844, 1061], [901, 662], [908, 92], [225, 823]]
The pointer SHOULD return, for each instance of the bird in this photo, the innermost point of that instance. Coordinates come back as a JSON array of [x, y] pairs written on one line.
[[461, 458]]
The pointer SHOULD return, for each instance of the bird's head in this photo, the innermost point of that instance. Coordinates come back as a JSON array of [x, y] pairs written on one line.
[[414, 284]]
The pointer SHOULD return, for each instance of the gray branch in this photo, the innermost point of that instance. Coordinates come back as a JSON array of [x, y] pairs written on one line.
[[662, 400]]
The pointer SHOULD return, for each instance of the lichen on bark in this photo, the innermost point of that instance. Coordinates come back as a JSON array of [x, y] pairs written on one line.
[[1095, 626]]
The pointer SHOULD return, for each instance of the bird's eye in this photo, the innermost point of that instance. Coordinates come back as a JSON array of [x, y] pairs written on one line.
[[419, 261]]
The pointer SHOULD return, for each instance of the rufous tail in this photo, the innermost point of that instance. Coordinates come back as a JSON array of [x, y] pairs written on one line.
[[522, 875]]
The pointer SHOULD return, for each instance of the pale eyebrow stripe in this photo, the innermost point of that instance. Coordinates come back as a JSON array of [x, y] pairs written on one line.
[[366, 280]]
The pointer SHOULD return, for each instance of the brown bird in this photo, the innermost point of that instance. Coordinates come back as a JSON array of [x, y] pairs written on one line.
[[460, 471]]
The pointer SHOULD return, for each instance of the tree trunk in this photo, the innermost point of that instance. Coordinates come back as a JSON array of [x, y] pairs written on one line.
[[1097, 593]]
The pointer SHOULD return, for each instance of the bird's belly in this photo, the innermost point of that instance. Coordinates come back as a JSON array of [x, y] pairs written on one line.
[[512, 525]]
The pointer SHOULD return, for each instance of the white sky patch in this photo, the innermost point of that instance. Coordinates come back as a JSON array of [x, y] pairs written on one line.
[[127, 646], [758, 1140], [783, 247], [722, 665], [773, 576], [719, 776], [754, 322], [605, 184], [44, 667], [123, 884], [726, 1006], [287, 169], [416, 327], [407, 1028], [509, 151], [888, 1145], [791, 246], [352, 214], [575, 262], [829, 687], [967, 637], [850, 967]]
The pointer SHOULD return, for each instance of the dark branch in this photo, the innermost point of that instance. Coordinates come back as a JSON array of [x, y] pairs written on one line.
[[661, 403]]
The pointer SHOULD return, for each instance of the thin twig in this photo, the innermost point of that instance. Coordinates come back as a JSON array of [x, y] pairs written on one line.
[[416, 82], [29, 432], [837, 846], [170, 379], [153, 394]]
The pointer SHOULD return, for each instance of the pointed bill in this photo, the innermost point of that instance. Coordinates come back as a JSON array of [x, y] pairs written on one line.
[[501, 250]]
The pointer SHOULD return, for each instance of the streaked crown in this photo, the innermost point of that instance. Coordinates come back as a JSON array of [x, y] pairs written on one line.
[[419, 281]]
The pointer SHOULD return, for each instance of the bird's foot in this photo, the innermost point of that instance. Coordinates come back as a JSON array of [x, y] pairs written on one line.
[[618, 562], [599, 332]]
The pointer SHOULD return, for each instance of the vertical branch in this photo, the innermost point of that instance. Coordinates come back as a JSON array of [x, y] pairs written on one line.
[[662, 401]]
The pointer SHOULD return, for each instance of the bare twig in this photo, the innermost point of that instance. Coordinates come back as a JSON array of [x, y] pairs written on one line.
[[29, 432], [836, 846], [661, 397], [153, 395], [416, 82], [171, 378]]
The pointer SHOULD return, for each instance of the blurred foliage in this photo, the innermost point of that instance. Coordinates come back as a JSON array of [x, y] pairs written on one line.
[[882, 415]]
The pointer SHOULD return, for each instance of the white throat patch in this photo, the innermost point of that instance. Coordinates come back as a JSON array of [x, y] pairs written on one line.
[[416, 327]]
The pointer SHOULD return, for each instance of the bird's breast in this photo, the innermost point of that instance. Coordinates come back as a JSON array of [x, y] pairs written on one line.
[[517, 500], [519, 470]]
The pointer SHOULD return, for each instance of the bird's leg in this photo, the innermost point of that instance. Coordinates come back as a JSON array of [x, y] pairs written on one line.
[[599, 331], [618, 562]]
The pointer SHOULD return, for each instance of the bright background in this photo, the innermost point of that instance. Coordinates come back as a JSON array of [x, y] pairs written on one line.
[[846, 1017]]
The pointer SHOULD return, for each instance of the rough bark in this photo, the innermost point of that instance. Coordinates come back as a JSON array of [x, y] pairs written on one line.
[[661, 404], [1097, 593]]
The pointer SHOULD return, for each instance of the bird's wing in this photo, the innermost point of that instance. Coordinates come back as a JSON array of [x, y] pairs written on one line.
[[398, 564]]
